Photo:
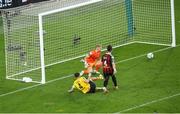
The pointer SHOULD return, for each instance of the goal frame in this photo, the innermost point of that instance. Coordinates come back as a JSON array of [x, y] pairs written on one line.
[[41, 38]]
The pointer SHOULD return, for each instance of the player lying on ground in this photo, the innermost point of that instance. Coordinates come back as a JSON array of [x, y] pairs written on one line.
[[92, 62], [84, 85]]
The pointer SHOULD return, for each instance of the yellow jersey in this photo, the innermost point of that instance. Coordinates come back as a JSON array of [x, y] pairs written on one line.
[[81, 84]]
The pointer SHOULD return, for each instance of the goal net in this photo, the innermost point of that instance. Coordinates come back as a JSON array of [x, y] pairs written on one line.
[[40, 35]]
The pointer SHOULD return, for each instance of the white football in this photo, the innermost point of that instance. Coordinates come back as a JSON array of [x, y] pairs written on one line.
[[150, 55]]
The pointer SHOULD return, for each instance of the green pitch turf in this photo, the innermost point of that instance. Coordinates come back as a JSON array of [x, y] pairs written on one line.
[[146, 86]]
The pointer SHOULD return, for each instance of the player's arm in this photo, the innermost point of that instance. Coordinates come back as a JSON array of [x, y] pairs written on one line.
[[87, 56], [72, 89], [114, 65]]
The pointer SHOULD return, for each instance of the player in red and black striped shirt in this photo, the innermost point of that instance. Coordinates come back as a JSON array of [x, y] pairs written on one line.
[[109, 68]]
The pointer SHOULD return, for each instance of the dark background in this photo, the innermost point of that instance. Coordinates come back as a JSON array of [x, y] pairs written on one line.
[[16, 3]]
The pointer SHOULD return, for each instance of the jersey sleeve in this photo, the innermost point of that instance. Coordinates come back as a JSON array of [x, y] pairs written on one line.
[[74, 85]]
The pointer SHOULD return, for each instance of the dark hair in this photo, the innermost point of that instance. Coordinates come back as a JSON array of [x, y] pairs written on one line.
[[109, 48], [76, 74]]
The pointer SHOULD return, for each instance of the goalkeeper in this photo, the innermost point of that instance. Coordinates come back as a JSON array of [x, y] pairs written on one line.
[[84, 85], [92, 61]]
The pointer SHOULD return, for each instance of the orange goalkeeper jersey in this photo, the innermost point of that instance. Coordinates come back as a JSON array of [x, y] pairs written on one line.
[[93, 56]]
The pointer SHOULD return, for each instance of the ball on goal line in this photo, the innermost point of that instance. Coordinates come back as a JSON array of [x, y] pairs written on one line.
[[150, 55]]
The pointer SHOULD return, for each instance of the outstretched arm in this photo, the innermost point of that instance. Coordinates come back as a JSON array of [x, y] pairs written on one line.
[[71, 90]]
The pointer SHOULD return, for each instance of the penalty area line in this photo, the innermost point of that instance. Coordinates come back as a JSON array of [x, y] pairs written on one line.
[[33, 86]]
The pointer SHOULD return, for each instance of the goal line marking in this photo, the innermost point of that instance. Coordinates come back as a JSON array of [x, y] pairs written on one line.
[[29, 87]]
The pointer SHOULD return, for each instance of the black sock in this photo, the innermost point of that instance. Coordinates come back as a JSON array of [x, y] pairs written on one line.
[[106, 81], [114, 80]]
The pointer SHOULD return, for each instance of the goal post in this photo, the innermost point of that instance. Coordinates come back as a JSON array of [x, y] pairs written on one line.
[[173, 24], [40, 35], [43, 80]]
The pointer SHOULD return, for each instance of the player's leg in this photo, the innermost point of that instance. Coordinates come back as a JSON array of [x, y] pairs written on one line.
[[92, 87], [114, 81], [88, 70], [100, 77], [106, 79], [99, 89], [98, 65], [92, 65]]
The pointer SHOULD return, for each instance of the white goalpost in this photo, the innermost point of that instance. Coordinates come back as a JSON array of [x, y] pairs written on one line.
[[173, 24], [43, 34]]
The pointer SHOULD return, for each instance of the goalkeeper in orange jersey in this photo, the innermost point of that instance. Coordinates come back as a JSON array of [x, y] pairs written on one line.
[[92, 61], [84, 85]]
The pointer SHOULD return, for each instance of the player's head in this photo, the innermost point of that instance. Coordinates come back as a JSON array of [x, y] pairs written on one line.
[[109, 48], [76, 75], [98, 47]]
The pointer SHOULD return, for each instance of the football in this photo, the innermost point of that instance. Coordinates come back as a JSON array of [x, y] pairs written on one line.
[[150, 55]]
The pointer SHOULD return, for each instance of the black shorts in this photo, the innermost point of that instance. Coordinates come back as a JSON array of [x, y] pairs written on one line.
[[92, 87]]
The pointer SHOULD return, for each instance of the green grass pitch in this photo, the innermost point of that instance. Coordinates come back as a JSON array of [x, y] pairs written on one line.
[[145, 86]]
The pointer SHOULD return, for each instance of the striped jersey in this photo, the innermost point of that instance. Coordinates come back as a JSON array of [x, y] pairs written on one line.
[[108, 61]]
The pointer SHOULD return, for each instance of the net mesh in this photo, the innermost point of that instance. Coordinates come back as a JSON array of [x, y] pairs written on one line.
[[152, 20], [22, 45], [74, 32]]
